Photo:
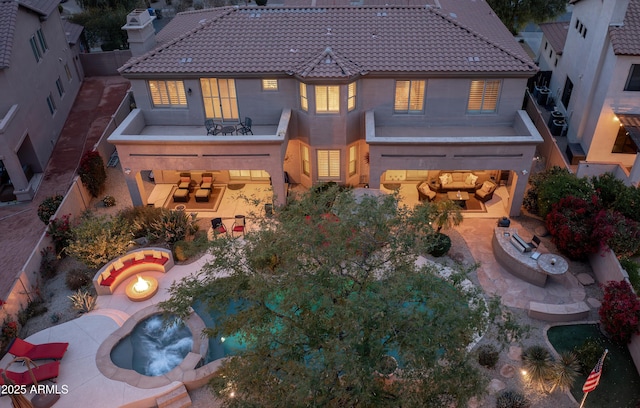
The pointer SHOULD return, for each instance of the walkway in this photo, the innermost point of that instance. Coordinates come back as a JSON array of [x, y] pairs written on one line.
[[20, 227]]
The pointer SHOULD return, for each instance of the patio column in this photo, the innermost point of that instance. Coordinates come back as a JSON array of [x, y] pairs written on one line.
[[135, 186], [517, 193], [277, 185]]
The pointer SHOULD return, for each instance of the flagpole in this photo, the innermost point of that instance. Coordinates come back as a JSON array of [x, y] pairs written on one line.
[[584, 399]]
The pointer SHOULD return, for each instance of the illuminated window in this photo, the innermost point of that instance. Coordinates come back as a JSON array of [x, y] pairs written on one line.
[[219, 98], [327, 99], [304, 102], [306, 164], [409, 97], [269, 84], [328, 164], [353, 160], [351, 99], [68, 71], [248, 175], [483, 96], [167, 94]]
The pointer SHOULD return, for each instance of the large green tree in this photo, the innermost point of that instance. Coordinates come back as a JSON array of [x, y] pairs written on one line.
[[331, 299], [515, 14]]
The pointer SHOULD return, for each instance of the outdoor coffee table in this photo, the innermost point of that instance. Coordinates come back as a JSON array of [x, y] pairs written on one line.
[[458, 197], [553, 264]]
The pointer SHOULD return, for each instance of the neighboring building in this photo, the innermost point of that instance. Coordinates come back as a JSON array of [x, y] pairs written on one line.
[[596, 82], [554, 36], [40, 76], [352, 94]]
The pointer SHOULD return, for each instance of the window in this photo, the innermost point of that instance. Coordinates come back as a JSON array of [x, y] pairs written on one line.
[[68, 71], [353, 160], [51, 104], [633, 82], [269, 84], [42, 41], [483, 96], [35, 49], [60, 87], [306, 165], [328, 164], [167, 94], [351, 98], [409, 96], [566, 93], [219, 98], [624, 143], [248, 175], [327, 99], [304, 102], [545, 45]]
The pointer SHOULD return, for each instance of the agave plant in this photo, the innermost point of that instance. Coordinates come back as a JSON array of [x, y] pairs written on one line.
[[539, 366], [82, 301], [565, 371]]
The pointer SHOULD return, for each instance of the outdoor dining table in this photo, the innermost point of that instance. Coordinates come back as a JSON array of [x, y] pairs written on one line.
[[228, 130]]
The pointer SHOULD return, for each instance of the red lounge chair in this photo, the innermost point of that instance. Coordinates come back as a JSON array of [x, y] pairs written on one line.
[[47, 371], [46, 351]]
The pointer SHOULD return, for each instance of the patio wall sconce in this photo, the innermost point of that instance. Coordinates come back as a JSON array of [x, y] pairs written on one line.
[[189, 91], [525, 172], [127, 170]]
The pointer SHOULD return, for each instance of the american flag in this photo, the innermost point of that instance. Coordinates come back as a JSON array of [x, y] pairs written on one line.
[[594, 377]]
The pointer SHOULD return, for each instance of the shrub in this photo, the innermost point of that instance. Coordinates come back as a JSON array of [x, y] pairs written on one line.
[[620, 311], [179, 250], [82, 301], [48, 207], [633, 270], [559, 185], [488, 355], [571, 224], [609, 189], [538, 364], [530, 201], [565, 371], [512, 399], [78, 278], [441, 245], [34, 308], [183, 250], [141, 218], [109, 201], [60, 232], [48, 263], [173, 226], [10, 330], [97, 240], [620, 233], [628, 203], [92, 172], [588, 354]]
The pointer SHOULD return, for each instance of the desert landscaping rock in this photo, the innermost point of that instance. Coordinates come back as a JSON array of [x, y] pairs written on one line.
[[508, 371], [495, 386], [594, 303], [515, 353]]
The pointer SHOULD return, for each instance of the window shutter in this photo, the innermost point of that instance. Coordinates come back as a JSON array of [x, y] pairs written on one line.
[[475, 96], [334, 163], [402, 96], [417, 96], [491, 92]]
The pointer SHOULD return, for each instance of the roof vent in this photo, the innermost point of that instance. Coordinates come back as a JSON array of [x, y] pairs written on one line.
[[382, 14], [184, 60], [473, 59], [328, 30], [453, 15], [204, 20]]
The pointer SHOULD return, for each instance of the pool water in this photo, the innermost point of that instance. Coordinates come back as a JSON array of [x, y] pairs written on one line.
[[152, 348], [220, 347]]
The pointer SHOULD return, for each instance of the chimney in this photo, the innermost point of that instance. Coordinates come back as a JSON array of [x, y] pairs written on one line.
[[140, 30]]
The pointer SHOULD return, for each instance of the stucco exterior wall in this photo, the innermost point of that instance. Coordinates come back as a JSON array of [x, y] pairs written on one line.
[[28, 135]]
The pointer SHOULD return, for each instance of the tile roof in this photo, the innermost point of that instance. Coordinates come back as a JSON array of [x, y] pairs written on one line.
[[72, 31], [337, 41], [8, 13], [42, 7], [556, 34], [626, 39]]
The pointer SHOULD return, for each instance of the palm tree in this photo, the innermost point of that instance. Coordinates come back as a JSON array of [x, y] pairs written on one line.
[[539, 366], [565, 371], [447, 215]]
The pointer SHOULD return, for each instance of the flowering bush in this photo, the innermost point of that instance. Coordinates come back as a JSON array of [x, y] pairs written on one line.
[[571, 223], [60, 233], [620, 311], [620, 233], [109, 201], [48, 207], [9, 330], [92, 172]]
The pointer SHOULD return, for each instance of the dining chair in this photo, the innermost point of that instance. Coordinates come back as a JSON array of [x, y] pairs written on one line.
[[212, 127], [218, 227], [239, 225], [244, 128]]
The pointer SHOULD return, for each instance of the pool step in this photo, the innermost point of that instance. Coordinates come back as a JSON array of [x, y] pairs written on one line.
[[178, 398]]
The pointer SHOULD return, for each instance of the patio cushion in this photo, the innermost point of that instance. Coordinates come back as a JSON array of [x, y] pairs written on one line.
[[117, 265], [471, 179], [108, 281], [446, 179], [424, 189], [487, 186]]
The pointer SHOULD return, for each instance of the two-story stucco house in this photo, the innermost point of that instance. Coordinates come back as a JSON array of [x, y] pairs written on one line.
[[596, 81], [40, 76], [352, 94]]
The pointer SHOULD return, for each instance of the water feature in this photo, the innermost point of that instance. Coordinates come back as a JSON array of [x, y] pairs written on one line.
[[153, 348]]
